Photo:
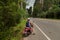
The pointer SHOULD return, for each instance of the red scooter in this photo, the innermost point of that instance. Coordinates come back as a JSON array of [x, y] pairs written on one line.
[[27, 31]]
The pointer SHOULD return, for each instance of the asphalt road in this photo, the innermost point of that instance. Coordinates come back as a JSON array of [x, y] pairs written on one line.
[[45, 29]]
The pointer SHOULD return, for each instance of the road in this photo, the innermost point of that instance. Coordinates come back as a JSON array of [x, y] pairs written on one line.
[[45, 29]]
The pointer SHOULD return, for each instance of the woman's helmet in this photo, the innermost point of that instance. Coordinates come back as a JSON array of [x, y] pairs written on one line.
[[28, 19]]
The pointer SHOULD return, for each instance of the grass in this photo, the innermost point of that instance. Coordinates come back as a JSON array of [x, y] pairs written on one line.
[[17, 35]]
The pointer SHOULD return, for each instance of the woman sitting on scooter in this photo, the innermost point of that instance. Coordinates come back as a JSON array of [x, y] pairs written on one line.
[[29, 24]]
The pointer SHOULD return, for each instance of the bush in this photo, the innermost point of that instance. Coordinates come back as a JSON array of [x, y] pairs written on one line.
[[10, 15]]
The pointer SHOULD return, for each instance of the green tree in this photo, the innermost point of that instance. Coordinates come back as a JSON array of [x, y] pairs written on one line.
[[43, 11], [37, 9]]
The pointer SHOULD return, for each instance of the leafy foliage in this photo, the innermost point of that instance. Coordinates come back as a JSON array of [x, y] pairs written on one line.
[[10, 16], [50, 9]]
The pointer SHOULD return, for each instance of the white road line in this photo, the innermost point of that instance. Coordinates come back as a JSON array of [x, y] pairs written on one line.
[[42, 32]]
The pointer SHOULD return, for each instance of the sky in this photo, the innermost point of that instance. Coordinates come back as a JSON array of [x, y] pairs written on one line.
[[30, 3]]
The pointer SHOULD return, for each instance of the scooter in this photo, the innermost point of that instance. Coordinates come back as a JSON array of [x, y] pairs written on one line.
[[27, 31]]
